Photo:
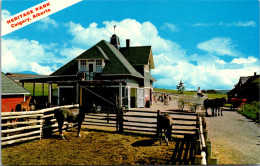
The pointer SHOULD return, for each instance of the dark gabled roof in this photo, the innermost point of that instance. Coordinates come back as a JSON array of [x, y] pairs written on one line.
[[138, 55], [243, 80], [116, 63], [71, 68], [10, 87], [152, 78], [94, 52]]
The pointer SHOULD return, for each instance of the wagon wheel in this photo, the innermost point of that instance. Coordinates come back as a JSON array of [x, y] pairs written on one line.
[[193, 108], [180, 105]]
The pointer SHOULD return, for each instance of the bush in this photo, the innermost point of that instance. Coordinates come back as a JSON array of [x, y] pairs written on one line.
[[251, 111]]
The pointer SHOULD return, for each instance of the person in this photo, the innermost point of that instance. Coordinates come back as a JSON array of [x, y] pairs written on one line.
[[199, 92]]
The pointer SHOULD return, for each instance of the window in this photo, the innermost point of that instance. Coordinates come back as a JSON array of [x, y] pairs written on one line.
[[83, 65], [98, 66]]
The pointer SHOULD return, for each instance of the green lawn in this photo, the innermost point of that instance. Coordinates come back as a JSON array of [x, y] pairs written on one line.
[[38, 88], [209, 95]]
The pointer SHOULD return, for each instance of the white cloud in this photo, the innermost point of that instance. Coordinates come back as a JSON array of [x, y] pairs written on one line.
[[139, 33], [248, 60], [5, 14], [242, 24], [171, 61], [219, 46], [232, 24], [46, 23], [46, 70], [25, 55], [220, 61], [169, 26]]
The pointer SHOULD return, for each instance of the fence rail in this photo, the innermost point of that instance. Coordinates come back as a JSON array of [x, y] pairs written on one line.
[[32, 126]]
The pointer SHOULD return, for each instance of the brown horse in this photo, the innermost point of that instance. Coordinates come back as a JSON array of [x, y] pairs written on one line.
[[164, 122], [25, 104]]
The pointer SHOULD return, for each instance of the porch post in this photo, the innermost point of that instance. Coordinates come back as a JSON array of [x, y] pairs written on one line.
[[33, 89], [42, 89], [77, 93], [49, 92], [120, 95]]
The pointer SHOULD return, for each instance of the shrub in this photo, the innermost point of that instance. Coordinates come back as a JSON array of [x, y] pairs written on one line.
[[251, 111]]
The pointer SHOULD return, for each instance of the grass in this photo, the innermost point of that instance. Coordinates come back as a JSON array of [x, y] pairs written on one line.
[[38, 88], [209, 95]]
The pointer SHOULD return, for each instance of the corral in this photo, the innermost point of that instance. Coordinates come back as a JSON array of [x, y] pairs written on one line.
[[114, 147]]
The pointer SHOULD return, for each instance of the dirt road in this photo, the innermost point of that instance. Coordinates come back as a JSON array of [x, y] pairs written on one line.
[[235, 139]]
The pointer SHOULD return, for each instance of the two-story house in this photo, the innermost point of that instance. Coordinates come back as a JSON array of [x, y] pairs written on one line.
[[108, 61]]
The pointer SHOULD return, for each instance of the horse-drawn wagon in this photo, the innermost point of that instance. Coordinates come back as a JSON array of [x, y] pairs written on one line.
[[192, 101]]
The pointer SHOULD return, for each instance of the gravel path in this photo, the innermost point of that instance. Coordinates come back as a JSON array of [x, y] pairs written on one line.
[[235, 139]]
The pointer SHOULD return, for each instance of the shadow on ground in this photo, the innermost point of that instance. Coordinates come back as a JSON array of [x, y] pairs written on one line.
[[183, 153]]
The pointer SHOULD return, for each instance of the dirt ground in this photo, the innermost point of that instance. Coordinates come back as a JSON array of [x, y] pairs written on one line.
[[93, 148]]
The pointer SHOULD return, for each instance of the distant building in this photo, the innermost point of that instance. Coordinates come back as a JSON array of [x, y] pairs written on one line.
[[18, 76], [247, 88], [12, 94]]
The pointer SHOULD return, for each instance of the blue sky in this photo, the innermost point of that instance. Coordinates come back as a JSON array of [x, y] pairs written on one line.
[[205, 43]]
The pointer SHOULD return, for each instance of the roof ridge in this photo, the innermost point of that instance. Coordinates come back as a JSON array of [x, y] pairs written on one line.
[[122, 56]]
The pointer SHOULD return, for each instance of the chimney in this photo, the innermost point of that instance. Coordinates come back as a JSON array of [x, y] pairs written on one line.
[[127, 43], [254, 73]]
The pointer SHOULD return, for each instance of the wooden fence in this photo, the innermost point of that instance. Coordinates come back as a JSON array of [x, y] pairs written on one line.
[[32, 127], [42, 123]]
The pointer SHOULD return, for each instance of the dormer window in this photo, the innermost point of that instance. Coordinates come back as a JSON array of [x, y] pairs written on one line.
[[91, 65]]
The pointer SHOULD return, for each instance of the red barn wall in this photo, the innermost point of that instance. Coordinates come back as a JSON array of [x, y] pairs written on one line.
[[9, 102]]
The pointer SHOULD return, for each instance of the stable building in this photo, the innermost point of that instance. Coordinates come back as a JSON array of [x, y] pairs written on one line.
[[112, 71]]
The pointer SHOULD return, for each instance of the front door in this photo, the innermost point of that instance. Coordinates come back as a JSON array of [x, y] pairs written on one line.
[[91, 70], [140, 97]]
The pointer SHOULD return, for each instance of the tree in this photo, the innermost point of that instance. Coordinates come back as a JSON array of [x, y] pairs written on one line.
[[180, 87]]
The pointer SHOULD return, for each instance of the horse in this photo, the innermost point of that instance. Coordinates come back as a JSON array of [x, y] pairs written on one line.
[[215, 105], [76, 115], [219, 102], [25, 104], [164, 122], [208, 103]]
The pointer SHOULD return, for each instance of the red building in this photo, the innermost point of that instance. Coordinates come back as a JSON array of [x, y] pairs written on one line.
[[12, 94]]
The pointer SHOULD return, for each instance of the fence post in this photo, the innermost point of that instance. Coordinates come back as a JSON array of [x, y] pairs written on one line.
[[205, 133], [204, 124], [198, 144], [157, 127], [198, 160], [213, 161], [121, 119], [41, 123], [208, 151]]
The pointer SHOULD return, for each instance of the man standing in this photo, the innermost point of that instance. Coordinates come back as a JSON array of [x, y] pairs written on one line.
[[199, 92]]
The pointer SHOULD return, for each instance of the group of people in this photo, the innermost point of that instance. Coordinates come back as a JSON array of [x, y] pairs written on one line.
[[165, 98]]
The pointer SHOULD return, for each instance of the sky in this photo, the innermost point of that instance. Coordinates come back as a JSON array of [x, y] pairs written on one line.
[[209, 44]]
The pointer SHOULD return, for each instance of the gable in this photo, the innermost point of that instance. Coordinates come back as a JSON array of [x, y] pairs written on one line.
[[115, 62], [138, 55]]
